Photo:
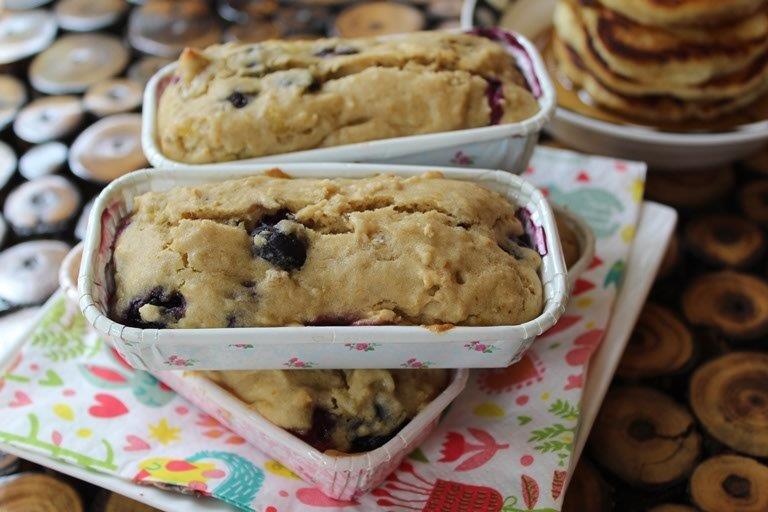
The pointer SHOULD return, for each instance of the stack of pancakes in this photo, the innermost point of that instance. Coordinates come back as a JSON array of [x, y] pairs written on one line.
[[665, 60]]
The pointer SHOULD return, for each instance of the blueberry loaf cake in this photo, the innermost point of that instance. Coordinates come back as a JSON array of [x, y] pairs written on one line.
[[268, 250], [347, 411], [238, 101]]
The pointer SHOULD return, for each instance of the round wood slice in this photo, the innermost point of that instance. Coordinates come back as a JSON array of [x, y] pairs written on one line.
[[12, 96], [730, 483], [8, 163], [645, 438], [377, 19], [671, 258], [165, 27], [143, 69], [758, 163], [660, 345], [49, 118], [253, 31], [43, 159], [88, 15], [307, 21], [689, 189], [21, 5], [113, 502], [336, 3], [445, 8], [108, 149], [113, 96], [729, 396], [36, 492], [725, 240], [8, 463], [754, 201], [76, 61], [734, 303], [671, 507], [450, 24], [587, 490], [243, 11], [25, 33]]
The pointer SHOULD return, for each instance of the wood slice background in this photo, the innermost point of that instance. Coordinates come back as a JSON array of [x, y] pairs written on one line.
[[680, 341]]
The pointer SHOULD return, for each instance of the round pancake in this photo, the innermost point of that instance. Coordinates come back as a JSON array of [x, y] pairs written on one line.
[[655, 108], [571, 32], [680, 56], [678, 13]]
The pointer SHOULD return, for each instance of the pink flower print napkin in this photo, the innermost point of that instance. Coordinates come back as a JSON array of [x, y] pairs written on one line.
[[504, 445]]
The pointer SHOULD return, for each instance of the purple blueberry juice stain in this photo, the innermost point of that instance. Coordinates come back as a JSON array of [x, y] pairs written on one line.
[[319, 436], [494, 94], [173, 305], [121, 227], [535, 235], [522, 57], [332, 320]]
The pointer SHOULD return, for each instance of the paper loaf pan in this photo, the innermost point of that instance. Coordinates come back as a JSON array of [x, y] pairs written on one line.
[[342, 477], [333, 347], [505, 146]]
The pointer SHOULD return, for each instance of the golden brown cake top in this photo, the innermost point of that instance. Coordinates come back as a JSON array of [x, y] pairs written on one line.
[[270, 251], [238, 101]]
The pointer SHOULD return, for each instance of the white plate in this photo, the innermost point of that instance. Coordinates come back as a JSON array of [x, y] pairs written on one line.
[[661, 150], [655, 226]]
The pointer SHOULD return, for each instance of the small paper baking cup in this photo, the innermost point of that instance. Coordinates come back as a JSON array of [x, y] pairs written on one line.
[[334, 347]]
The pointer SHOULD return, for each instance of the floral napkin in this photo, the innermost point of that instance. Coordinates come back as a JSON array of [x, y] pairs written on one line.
[[504, 445]]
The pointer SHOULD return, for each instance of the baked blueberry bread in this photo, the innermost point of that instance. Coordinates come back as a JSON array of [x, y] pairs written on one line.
[[268, 250], [238, 101], [347, 411]]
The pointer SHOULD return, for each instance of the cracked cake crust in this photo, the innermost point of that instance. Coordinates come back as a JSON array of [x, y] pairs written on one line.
[[270, 251]]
